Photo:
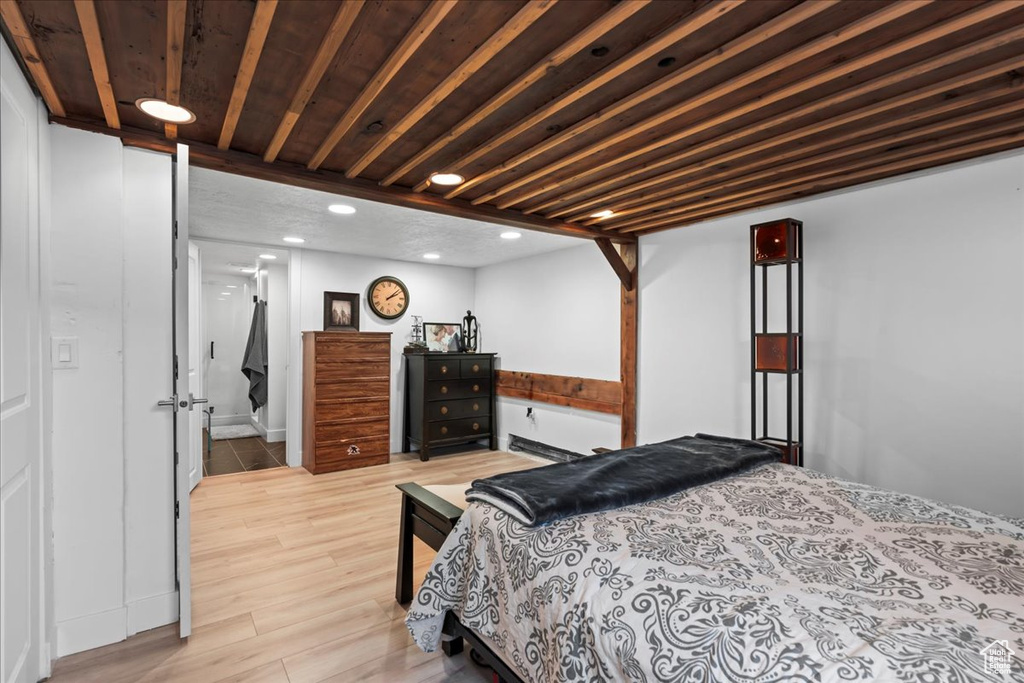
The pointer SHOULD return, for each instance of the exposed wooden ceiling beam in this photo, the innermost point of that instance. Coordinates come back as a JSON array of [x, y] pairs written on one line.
[[712, 59], [176, 11], [513, 28], [938, 32], [86, 11], [622, 271], [335, 36], [15, 22], [615, 16], [687, 27], [671, 195], [258, 29], [965, 145], [813, 128], [1001, 144], [776, 169], [436, 11], [251, 165], [883, 16]]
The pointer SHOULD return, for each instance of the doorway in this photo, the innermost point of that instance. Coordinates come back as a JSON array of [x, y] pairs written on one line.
[[244, 296]]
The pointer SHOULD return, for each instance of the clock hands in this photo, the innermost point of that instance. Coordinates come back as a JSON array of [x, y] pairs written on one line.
[[393, 295]]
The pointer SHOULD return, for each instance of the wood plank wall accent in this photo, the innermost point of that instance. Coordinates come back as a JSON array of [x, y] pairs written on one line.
[[599, 395]]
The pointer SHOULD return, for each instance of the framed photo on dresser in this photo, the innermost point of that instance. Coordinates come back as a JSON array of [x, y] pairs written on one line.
[[443, 337], [341, 312]]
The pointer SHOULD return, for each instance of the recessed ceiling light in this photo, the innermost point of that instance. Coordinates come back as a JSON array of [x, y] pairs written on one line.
[[159, 109], [511, 235], [231, 286], [432, 256], [221, 299], [343, 209], [446, 179], [607, 213], [225, 293], [293, 240], [269, 257], [248, 270]]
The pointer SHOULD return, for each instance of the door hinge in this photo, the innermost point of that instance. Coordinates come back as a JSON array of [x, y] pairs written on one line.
[[177, 511], [175, 464], [175, 229], [175, 368]]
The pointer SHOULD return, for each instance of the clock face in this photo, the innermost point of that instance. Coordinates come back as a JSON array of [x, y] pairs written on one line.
[[389, 298]]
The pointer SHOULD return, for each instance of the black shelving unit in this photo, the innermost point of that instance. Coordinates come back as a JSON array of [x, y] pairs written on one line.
[[777, 244]]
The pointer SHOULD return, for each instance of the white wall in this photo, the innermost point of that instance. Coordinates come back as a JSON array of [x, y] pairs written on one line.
[[275, 412], [436, 292], [226, 323], [558, 314], [914, 326], [112, 512]]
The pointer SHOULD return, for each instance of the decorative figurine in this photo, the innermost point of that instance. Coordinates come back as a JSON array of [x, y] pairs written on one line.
[[470, 332], [417, 344]]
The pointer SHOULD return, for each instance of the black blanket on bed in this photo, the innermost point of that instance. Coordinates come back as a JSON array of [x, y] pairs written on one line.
[[618, 478]]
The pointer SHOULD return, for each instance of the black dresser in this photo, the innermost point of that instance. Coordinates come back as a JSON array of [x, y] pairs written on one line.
[[449, 400]]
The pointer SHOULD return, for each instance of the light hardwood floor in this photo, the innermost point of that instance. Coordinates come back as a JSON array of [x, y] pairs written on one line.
[[293, 581]]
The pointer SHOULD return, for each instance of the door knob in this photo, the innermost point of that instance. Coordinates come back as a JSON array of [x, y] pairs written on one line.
[[192, 400], [172, 402]]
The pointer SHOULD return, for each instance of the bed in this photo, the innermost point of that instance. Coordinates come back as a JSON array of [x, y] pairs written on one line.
[[775, 574]]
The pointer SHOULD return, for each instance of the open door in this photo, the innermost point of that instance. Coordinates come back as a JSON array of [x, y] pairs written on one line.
[[187, 414], [195, 366]]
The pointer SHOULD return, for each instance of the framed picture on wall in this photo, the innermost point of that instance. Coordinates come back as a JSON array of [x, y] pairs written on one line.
[[341, 312], [443, 337]]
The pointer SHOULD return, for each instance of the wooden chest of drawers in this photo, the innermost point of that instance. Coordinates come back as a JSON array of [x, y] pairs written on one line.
[[346, 400], [449, 399]]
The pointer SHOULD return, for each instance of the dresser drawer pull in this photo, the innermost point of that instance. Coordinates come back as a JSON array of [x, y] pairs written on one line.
[[444, 369], [476, 426], [476, 368], [476, 406], [444, 410], [444, 389], [353, 450], [444, 430], [476, 387]]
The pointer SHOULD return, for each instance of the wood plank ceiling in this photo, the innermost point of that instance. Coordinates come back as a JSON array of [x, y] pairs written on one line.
[[662, 113]]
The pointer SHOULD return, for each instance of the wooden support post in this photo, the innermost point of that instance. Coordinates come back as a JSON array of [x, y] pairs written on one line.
[[627, 344]]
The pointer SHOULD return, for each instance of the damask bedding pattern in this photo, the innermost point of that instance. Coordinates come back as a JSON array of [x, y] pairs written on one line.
[[777, 574]]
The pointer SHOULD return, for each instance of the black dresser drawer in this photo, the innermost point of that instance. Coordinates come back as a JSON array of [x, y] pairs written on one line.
[[459, 388], [457, 429], [443, 369], [478, 367], [464, 407]]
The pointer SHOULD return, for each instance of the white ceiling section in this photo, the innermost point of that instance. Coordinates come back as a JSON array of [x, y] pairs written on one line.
[[220, 259], [229, 207]]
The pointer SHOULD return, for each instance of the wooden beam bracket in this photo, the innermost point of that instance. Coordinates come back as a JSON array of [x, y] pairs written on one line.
[[626, 274], [599, 395]]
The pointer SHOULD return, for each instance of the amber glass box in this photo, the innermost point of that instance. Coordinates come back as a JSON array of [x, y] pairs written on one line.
[[770, 352], [777, 241]]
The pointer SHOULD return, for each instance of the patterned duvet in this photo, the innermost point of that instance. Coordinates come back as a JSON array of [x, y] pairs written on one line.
[[777, 574]]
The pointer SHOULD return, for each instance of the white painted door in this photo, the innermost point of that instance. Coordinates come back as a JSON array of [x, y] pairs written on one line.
[[20, 372], [195, 365], [184, 422]]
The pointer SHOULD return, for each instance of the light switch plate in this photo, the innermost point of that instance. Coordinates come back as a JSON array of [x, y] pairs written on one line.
[[64, 352]]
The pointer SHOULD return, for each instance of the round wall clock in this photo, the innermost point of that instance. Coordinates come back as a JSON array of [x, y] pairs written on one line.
[[389, 297]]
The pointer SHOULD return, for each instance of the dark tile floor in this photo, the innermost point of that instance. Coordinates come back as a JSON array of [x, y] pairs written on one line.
[[242, 455]]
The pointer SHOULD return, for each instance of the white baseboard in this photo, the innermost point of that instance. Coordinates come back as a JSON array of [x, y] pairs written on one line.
[[259, 428], [88, 632], [225, 420], [274, 435], [157, 610]]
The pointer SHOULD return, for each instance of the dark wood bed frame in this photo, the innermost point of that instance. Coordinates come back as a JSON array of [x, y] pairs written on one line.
[[430, 518]]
